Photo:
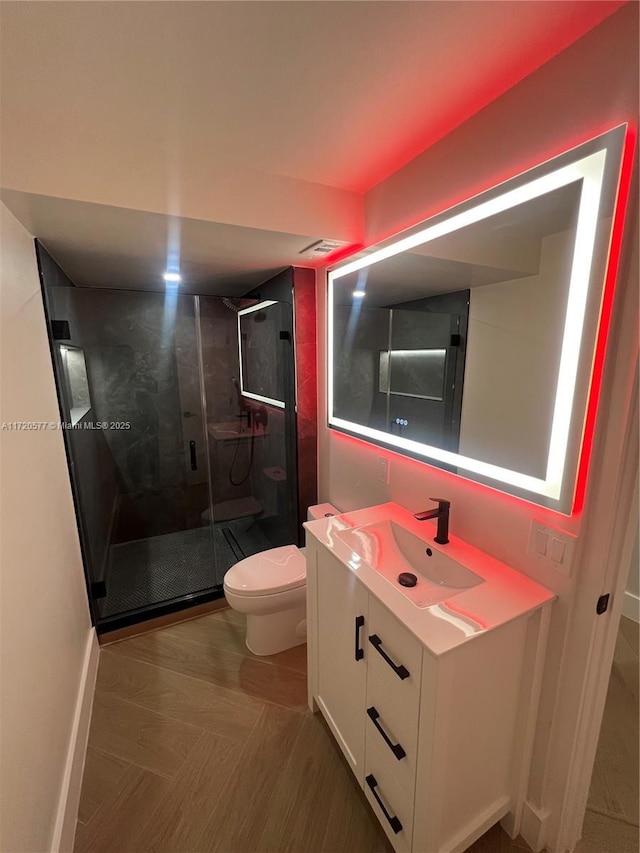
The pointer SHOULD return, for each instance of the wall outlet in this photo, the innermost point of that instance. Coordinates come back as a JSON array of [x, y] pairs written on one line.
[[383, 470], [552, 546]]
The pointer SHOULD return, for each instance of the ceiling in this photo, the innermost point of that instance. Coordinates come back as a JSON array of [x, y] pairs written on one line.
[[261, 116], [101, 246]]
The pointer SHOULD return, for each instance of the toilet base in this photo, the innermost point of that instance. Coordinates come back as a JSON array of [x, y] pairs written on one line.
[[271, 633]]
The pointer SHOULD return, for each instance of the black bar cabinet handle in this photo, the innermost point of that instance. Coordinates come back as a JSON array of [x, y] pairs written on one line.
[[394, 821], [359, 650], [401, 671], [192, 453], [395, 748]]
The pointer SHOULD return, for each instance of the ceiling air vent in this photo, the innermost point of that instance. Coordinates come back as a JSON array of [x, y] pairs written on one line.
[[319, 248]]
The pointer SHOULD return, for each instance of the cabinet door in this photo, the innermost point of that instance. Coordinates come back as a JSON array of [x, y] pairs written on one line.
[[342, 668]]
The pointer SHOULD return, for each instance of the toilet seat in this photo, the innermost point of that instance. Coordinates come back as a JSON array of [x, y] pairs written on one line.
[[268, 573]]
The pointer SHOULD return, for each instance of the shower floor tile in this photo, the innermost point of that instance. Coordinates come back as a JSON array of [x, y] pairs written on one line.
[[150, 571]]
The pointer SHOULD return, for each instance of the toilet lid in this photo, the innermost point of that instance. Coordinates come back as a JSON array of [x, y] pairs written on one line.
[[272, 571]]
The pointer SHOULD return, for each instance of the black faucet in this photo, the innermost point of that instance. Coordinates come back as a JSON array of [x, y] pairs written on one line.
[[442, 514]]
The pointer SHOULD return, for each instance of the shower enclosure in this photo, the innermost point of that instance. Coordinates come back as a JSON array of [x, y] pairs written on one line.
[[179, 424]]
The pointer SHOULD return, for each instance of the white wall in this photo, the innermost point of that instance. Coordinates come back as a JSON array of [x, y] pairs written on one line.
[[45, 628], [591, 87]]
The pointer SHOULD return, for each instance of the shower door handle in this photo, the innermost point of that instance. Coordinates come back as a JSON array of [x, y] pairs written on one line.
[[192, 453]]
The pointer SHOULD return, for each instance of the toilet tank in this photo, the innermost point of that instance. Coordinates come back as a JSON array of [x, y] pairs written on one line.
[[321, 511]]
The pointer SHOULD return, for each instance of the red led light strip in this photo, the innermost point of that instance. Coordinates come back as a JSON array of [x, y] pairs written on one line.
[[613, 266]]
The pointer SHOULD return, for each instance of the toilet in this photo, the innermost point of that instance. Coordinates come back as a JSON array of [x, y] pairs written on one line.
[[271, 588]]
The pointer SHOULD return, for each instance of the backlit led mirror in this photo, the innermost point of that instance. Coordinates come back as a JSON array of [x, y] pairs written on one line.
[[469, 341]]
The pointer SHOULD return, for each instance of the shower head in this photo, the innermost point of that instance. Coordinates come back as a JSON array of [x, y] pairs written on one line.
[[237, 303], [229, 304]]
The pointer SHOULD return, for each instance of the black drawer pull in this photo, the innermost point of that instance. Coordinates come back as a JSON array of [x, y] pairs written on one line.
[[359, 650], [395, 748], [400, 670], [192, 454], [394, 821]]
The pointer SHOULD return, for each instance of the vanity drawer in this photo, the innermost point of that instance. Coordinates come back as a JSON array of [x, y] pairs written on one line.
[[393, 653], [392, 724], [392, 805]]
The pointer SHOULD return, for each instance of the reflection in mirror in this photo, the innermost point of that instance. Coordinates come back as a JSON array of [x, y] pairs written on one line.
[[413, 373], [459, 337], [261, 375], [460, 342]]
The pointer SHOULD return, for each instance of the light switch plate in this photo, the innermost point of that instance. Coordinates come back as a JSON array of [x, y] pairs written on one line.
[[552, 546], [383, 470]]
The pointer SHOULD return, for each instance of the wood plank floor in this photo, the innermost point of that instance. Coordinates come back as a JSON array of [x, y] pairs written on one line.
[[197, 745]]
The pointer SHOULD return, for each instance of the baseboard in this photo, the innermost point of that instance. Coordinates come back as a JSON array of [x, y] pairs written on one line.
[[631, 606], [65, 828], [465, 837], [533, 826]]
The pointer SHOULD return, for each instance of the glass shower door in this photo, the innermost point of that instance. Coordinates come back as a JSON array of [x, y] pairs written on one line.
[[136, 443], [163, 545], [144, 368]]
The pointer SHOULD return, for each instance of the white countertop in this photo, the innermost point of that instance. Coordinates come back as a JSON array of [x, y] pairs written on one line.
[[504, 595]]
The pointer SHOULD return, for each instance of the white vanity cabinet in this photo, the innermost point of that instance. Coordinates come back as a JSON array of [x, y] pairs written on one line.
[[440, 743], [341, 673]]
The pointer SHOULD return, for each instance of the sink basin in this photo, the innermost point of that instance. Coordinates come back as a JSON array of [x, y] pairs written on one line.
[[390, 549], [460, 590]]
